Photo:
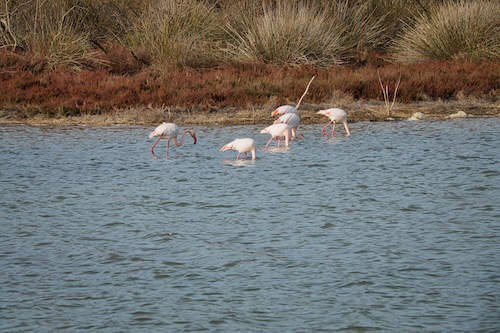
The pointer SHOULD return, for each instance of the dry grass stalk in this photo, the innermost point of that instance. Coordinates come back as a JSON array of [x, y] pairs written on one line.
[[385, 91], [9, 37]]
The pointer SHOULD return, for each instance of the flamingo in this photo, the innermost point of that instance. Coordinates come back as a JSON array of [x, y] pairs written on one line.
[[244, 145], [278, 131], [288, 115], [335, 115], [169, 131], [284, 109]]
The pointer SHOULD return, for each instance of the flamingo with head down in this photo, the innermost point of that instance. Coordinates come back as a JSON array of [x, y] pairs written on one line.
[[170, 131], [245, 145], [288, 115], [335, 115], [278, 131]]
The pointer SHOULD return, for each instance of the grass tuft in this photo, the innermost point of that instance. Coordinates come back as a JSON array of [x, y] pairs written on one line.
[[178, 33], [301, 32], [455, 30]]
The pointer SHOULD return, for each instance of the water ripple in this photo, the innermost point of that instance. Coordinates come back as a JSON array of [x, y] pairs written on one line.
[[395, 228]]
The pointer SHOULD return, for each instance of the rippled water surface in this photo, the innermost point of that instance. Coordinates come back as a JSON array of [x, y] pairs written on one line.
[[396, 228]]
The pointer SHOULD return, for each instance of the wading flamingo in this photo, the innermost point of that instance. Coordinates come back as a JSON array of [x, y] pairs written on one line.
[[246, 145], [277, 131], [169, 131], [335, 115], [288, 115]]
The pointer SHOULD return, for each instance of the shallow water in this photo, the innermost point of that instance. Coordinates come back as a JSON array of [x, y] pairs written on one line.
[[396, 228]]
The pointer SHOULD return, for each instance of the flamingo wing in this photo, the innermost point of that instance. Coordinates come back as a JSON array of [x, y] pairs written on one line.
[[158, 131], [165, 130], [291, 119], [243, 145], [276, 129], [335, 114], [284, 109]]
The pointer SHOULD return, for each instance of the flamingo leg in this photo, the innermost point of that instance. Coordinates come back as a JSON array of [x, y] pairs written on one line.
[[254, 154], [154, 145], [168, 144], [238, 156], [347, 128], [333, 128], [245, 155], [323, 129], [268, 142], [278, 138]]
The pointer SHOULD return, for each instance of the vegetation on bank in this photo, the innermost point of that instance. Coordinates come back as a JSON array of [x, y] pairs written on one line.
[[24, 94], [207, 33], [80, 57]]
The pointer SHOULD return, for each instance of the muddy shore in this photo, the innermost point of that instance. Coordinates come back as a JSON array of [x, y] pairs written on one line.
[[357, 111]]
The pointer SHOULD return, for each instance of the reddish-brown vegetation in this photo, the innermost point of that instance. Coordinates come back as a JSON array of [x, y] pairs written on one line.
[[126, 83]]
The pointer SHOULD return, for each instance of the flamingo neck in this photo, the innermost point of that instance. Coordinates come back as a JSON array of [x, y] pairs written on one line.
[[180, 143]]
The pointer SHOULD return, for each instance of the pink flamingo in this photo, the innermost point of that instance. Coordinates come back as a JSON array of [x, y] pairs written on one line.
[[288, 115], [169, 131], [278, 131], [335, 115], [245, 146]]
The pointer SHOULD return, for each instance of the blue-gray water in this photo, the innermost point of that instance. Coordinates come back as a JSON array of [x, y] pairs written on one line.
[[394, 229]]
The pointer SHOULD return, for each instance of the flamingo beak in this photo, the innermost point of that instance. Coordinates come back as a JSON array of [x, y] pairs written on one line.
[[194, 139], [274, 113]]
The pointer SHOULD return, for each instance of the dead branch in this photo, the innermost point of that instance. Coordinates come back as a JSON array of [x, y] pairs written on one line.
[[305, 92]]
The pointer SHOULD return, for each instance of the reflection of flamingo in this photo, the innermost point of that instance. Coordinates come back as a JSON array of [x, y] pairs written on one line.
[[245, 146], [278, 131], [288, 115], [335, 115], [169, 131]]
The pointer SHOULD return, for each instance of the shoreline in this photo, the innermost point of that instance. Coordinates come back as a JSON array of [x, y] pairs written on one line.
[[356, 112]]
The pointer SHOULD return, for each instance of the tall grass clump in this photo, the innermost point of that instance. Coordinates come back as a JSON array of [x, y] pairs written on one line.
[[467, 30], [302, 32], [56, 32], [63, 32], [358, 24], [393, 14], [178, 33]]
